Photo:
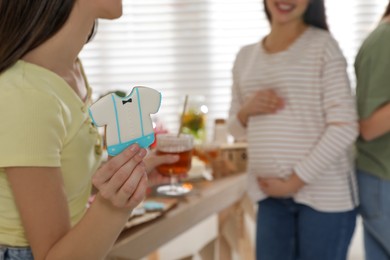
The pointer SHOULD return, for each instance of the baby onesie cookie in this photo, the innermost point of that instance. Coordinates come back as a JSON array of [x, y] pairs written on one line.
[[127, 119]]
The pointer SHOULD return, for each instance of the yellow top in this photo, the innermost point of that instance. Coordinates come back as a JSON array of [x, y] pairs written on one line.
[[44, 123]]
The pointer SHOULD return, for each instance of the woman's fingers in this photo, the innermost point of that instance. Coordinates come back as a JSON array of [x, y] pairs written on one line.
[[154, 160], [268, 106], [111, 187], [268, 102], [132, 184], [123, 180], [139, 194], [127, 170], [113, 165]]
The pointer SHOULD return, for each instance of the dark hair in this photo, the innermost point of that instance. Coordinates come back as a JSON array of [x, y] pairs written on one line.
[[25, 24], [387, 12], [314, 15]]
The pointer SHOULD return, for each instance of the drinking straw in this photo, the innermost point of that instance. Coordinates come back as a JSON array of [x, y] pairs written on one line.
[[182, 115]]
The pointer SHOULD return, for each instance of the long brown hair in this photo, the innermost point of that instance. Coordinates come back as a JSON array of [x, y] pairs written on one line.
[[387, 12], [314, 15], [25, 24]]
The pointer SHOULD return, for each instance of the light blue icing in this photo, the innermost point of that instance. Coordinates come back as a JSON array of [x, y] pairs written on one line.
[[143, 141]]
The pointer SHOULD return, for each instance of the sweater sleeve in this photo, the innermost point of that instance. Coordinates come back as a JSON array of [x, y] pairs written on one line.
[[236, 129], [340, 116]]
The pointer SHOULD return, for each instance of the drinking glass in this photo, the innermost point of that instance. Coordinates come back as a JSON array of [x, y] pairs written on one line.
[[181, 145]]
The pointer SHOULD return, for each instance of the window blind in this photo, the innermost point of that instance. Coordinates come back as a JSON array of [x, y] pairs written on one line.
[[183, 47]]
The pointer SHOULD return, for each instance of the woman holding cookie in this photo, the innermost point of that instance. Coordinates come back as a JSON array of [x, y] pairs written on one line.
[[49, 149]]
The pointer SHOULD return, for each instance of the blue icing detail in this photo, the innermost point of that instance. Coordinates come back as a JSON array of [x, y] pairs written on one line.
[[117, 119], [90, 115], [140, 111], [153, 205], [144, 142]]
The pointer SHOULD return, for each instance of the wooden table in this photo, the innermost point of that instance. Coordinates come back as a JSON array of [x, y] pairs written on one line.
[[207, 199]]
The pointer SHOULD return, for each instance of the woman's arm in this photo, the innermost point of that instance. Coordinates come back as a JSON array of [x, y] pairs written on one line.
[[341, 127], [41, 199], [375, 125], [373, 77]]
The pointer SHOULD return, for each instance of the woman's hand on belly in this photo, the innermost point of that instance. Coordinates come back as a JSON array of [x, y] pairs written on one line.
[[261, 102], [280, 187]]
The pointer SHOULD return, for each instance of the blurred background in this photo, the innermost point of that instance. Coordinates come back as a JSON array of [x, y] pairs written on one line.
[[183, 47]]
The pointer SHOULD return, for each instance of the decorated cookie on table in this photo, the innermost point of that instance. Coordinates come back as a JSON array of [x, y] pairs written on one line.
[[127, 119]]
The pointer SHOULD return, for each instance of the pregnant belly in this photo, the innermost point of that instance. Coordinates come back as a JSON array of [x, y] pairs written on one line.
[[274, 149]]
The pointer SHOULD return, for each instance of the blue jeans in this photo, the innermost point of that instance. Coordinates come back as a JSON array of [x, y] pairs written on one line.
[[287, 230], [15, 253], [374, 207]]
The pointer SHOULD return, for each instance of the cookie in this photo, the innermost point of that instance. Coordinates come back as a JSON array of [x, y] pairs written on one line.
[[127, 119]]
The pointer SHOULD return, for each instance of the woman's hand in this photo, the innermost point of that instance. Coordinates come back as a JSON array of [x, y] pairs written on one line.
[[278, 187], [123, 179], [152, 161], [262, 102]]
